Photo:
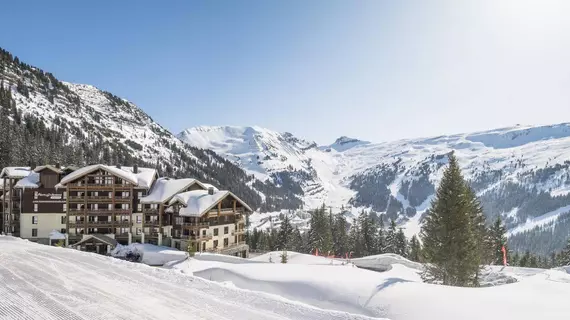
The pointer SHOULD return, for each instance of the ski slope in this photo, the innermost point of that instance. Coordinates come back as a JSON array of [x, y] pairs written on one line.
[[48, 283], [399, 293]]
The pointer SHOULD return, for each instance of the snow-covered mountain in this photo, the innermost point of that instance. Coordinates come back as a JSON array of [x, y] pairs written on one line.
[[45, 120], [519, 172]]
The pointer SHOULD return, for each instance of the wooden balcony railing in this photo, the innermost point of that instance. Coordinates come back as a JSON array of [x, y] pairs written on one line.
[[197, 237], [193, 225], [98, 212], [95, 224]]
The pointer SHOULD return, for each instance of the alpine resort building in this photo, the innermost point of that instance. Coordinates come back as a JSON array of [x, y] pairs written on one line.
[[100, 206]]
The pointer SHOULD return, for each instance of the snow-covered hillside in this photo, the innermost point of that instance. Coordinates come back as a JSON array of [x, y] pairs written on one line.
[[47, 283], [98, 126], [519, 172]]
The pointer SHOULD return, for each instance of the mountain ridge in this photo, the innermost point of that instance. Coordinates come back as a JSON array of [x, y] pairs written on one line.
[[519, 172]]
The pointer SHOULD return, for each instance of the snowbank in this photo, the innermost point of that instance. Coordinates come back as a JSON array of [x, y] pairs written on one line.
[[398, 293], [150, 254], [383, 262], [296, 258]]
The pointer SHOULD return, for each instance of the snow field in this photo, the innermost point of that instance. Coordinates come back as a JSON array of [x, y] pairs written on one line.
[[399, 293], [48, 283]]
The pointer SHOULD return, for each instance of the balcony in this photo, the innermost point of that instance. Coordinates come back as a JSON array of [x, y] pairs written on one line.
[[195, 225], [153, 211], [223, 212], [197, 237], [98, 186], [151, 223], [104, 199], [101, 224], [98, 212], [238, 232]]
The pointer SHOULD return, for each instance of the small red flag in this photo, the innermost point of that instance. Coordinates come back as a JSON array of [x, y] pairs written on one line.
[[504, 255]]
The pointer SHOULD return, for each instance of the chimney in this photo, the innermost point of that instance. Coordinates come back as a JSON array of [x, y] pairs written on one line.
[[210, 190], [118, 166], [58, 166], [135, 168]]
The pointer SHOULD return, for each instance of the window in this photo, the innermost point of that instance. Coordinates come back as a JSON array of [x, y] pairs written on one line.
[[34, 219], [138, 231], [110, 207], [215, 244], [35, 207], [64, 195], [62, 230], [139, 207], [140, 194], [226, 230], [63, 220], [204, 233], [226, 242], [139, 219], [35, 194], [34, 232], [216, 232], [65, 207]]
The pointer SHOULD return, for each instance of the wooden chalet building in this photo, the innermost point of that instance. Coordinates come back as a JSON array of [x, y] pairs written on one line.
[[101, 205], [104, 199]]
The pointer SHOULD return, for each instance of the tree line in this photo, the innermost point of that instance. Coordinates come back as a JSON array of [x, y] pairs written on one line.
[[332, 234]]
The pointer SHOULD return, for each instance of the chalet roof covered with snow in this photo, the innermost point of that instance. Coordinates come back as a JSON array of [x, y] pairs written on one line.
[[31, 181], [15, 172], [198, 202], [165, 188], [144, 178]]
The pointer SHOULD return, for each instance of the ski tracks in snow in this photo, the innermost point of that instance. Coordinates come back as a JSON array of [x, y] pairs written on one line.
[[41, 282]]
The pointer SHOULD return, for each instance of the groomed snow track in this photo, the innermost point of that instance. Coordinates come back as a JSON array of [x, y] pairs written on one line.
[[42, 282]]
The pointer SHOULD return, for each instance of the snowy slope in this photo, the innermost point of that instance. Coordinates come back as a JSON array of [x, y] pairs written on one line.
[[399, 293], [101, 127], [45, 283], [508, 167]]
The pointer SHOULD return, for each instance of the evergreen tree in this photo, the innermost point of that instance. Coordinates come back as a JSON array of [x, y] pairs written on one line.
[[498, 240], [525, 259], [381, 236], [340, 235], [564, 256], [284, 257], [478, 227], [401, 243], [515, 260], [354, 242], [391, 242], [415, 249], [319, 235], [450, 238], [285, 234], [296, 241], [367, 234]]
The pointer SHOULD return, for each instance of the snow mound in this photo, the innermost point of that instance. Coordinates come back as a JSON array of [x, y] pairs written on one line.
[[296, 258], [150, 254], [384, 262], [399, 293]]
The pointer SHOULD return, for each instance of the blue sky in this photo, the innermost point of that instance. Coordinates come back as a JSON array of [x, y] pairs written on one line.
[[375, 70]]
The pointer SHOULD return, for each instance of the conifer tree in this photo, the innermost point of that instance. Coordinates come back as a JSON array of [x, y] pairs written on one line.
[[381, 236], [525, 259], [415, 249], [296, 241], [391, 242], [367, 235], [498, 240], [340, 235], [401, 243], [285, 234], [449, 235], [564, 256], [477, 220], [354, 242], [319, 235]]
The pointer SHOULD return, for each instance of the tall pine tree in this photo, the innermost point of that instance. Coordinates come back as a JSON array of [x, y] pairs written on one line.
[[498, 240], [449, 235]]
